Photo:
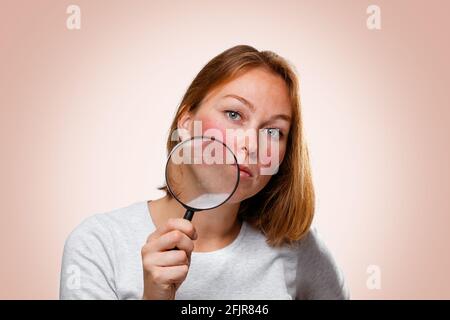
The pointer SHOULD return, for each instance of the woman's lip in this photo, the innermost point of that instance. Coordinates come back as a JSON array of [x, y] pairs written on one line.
[[245, 172]]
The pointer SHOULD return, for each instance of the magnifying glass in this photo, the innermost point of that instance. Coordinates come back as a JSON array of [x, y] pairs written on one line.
[[202, 173]]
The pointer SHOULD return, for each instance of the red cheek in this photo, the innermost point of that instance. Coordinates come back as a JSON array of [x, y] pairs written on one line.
[[213, 128], [218, 130]]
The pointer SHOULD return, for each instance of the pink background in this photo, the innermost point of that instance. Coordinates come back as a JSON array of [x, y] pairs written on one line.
[[84, 115]]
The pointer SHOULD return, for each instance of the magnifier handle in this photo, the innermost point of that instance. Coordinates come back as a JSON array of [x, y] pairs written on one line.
[[189, 214]]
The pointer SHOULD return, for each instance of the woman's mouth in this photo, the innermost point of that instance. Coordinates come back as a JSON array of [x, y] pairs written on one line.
[[245, 172]]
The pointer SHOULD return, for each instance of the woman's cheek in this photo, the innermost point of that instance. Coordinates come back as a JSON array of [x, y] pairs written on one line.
[[271, 157], [214, 128], [281, 151], [221, 130]]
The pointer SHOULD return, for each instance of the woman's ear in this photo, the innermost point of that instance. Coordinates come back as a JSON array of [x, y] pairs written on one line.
[[184, 126]]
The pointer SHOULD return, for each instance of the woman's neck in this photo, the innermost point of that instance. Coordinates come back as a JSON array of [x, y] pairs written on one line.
[[216, 228]]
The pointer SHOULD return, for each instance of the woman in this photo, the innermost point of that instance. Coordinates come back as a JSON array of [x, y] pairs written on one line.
[[258, 245]]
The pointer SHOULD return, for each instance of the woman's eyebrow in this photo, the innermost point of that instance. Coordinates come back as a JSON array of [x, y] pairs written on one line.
[[241, 99], [281, 117], [252, 108]]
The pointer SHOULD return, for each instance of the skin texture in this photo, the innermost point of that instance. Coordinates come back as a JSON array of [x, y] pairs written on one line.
[[165, 269]]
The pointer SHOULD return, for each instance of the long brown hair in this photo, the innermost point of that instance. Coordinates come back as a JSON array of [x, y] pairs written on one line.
[[283, 210]]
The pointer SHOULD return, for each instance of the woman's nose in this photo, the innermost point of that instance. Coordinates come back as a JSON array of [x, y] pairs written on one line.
[[247, 149]]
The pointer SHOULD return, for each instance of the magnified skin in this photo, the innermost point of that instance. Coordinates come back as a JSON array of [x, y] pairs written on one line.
[[205, 180]]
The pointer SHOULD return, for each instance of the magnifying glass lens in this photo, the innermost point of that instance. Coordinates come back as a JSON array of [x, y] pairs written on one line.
[[202, 173]]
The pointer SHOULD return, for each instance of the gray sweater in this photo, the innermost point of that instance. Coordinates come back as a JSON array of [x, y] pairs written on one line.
[[102, 260]]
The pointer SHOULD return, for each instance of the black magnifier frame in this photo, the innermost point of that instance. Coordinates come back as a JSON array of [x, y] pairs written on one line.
[[190, 210]]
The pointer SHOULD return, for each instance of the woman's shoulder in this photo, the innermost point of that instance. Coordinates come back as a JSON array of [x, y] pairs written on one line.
[[104, 226], [312, 244], [319, 275], [96, 247]]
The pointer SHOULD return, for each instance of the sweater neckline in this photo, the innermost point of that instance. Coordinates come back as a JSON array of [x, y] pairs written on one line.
[[229, 247]]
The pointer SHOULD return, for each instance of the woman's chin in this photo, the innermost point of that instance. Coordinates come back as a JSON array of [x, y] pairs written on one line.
[[239, 196]]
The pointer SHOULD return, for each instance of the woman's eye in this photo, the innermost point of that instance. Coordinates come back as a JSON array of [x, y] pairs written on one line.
[[233, 115], [274, 132]]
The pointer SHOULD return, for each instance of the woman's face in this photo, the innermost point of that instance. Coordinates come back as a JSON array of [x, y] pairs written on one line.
[[251, 114]]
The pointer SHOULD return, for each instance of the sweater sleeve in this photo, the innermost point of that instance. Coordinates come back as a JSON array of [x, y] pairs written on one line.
[[87, 270], [318, 276]]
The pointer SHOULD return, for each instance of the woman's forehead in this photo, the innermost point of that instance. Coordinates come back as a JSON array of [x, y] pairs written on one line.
[[263, 89]]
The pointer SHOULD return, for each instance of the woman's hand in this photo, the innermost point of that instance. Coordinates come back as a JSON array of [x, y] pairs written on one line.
[[164, 268]]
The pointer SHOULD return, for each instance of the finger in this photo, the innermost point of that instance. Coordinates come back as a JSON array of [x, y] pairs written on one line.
[[174, 239], [174, 274], [169, 258]]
